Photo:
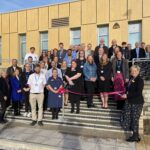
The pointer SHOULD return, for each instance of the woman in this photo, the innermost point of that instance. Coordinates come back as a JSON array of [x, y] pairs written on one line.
[[134, 104], [90, 74], [104, 77], [55, 53], [63, 70], [25, 76], [73, 77], [4, 95], [16, 93], [47, 63], [81, 60], [43, 55], [120, 77], [55, 100]]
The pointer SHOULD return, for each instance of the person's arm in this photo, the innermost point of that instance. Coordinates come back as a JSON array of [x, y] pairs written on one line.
[[85, 72], [78, 75], [51, 89]]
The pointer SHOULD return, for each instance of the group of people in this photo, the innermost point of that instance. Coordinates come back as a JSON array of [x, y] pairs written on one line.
[[81, 70]]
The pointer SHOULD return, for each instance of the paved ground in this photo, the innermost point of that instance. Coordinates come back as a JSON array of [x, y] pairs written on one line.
[[22, 138]]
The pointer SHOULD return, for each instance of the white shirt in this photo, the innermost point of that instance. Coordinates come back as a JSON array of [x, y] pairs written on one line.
[[49, 73], [34, 57], [44, 72], [37, 83]]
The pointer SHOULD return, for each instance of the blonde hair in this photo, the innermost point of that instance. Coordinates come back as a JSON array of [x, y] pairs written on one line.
[[2, 71], [135, 67]]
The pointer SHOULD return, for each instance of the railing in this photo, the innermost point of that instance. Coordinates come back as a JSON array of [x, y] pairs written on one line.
[[144, 64]]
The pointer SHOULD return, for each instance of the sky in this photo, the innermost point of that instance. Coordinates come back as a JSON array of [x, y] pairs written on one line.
[[13, 5]]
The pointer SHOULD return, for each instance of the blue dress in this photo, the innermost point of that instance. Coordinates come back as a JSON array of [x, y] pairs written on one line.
[[15, 86], [55, 100]]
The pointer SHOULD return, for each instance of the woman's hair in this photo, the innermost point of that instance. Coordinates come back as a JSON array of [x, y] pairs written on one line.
[[135, 67], [2, 71], [62, 63], [102, 62]]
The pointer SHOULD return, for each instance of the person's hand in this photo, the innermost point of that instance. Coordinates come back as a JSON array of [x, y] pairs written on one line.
[[102, 78], [93, 79], [5, 98], [112, 79], [56, 91], [127, 80], [19, 91], [124, 96]]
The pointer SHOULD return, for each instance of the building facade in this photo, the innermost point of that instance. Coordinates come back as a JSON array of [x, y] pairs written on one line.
[[80, 21]]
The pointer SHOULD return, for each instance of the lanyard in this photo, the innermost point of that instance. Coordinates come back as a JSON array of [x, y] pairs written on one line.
[[36, 79]]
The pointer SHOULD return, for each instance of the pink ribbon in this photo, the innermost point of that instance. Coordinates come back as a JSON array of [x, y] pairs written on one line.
[[63, 90]]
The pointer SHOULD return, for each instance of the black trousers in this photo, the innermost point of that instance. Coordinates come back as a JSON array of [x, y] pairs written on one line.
[[90, 89], [77, 105], [16, 107], [3, 108], [130, 117], [55, 112], [27, 103]]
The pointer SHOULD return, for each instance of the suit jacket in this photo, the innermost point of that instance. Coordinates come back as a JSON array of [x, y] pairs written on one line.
[[10, 71], [135, 89], [111, 51], [97, 48], [61, 55], [126, 53], [141, 53], [125, 68], [4, 88]]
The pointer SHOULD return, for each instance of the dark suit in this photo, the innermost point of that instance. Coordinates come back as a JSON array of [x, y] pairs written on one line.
[[111, 51], [10, 71], [97, 48], [133, 106], [61, 55], [4, 91], [141, 53], [126, 53]]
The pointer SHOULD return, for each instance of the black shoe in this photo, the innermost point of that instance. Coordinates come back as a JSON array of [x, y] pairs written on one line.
[[33, 123], [3, 121], [89, 106], [92, 105], [77, 112], [72, 111], [40, 123], [133, 139]]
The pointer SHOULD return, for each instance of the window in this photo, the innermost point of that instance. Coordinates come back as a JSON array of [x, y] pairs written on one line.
[[134, 33], [22, 47], [0, 50], [75, 35], [44, 41], [103, 32]]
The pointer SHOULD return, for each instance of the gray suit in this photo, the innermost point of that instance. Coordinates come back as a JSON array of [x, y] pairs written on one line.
[[125, 67], [61, 55]]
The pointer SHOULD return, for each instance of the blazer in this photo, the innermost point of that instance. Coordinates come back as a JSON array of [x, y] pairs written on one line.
[[97, 48], [61, 56], [142, 53], [11, 70], [111, 51], [125, 67], [135, 89], [4, 88]]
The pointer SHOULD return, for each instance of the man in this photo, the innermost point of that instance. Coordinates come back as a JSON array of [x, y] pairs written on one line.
[[69, 57], [101, 45], [32, 54], [112, 48], [143, 45], [37, 82], [11, 69], [137, 52], [61, 53], [30, 62], [125, 51], [49, 72], [89, 50], [56, 59]]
